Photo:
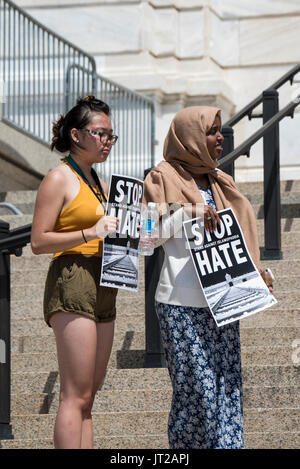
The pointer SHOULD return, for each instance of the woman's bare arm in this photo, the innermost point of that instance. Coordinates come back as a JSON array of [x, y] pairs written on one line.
[[49, 202]]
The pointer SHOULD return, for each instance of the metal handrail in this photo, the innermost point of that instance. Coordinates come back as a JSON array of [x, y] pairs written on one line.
[[11, 207], [131, 156], [43, 72], [247, 110], [33, 60], [44, 28], [244, 148], [112, 82], [11, 242], [16, 239]]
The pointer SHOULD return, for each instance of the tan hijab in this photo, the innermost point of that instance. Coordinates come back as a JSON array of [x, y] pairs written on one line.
[[186, 156]]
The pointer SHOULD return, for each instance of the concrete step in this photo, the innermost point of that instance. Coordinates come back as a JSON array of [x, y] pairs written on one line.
[[31, 262], [288, 224], [40, 382], [253, 440], [22, 200], [269, 318], [105, 424], [258, 187], [287, 210], [152, 400], [291, 238], [263, 355], [272, 440], [274, 397], [105, 401], [142, 379], [36, 277], [273, 318], [17, 197], [26, 208], [134, 357], [153, 423], [15, 221], [127, 339], [46, 343], [286, 198], [111, 442], [269, 375], [267, 336], [290, 252], [265, 420]]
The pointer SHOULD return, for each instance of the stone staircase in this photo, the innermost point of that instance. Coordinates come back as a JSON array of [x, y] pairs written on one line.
[[131, 409]]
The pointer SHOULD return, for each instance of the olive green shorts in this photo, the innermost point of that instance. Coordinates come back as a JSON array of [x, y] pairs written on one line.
[[72, 286]]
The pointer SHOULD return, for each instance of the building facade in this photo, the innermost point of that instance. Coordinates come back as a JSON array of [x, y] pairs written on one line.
[[191, 52]]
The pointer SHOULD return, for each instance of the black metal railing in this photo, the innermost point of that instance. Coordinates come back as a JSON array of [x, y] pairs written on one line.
[[249, 108], [248, 111], [272, 217], [271, 162], [11, 242]]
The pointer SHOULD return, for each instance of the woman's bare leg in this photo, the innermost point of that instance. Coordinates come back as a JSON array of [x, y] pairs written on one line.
[[76, 341], [105, 335]]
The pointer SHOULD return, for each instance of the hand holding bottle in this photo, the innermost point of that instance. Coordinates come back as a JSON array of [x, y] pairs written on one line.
[[149, 229]]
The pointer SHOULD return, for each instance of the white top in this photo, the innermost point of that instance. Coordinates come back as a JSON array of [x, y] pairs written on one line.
[[178, 283]]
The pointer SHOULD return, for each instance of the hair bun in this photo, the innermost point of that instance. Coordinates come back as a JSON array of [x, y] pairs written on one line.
[[59, 142]]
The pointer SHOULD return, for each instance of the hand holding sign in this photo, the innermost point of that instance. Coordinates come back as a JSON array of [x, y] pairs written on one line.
[[106, 225], [210, 216]]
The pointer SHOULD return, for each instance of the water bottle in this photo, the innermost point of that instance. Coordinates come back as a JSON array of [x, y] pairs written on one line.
[[149, 229]]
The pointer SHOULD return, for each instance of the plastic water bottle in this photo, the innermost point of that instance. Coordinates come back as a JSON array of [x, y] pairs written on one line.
[[149, 229]]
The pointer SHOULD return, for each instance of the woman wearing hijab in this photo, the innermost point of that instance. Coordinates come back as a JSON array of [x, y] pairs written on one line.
[[204, 360]]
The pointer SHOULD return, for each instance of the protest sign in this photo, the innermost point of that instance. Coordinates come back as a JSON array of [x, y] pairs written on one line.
[[231, 283], [120, 249]]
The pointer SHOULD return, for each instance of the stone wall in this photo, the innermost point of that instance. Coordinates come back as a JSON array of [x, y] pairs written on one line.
[[187, 52]]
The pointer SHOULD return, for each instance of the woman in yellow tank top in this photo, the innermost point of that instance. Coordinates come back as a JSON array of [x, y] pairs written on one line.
[[69, 221]]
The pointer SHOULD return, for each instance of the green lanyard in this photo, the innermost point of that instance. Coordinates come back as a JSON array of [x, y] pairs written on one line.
[[94, 174]]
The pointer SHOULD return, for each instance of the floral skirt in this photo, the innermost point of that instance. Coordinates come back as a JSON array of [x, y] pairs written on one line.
[[204, 363]]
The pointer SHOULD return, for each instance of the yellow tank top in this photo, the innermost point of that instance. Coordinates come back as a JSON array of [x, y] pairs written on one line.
[[81, 213]]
